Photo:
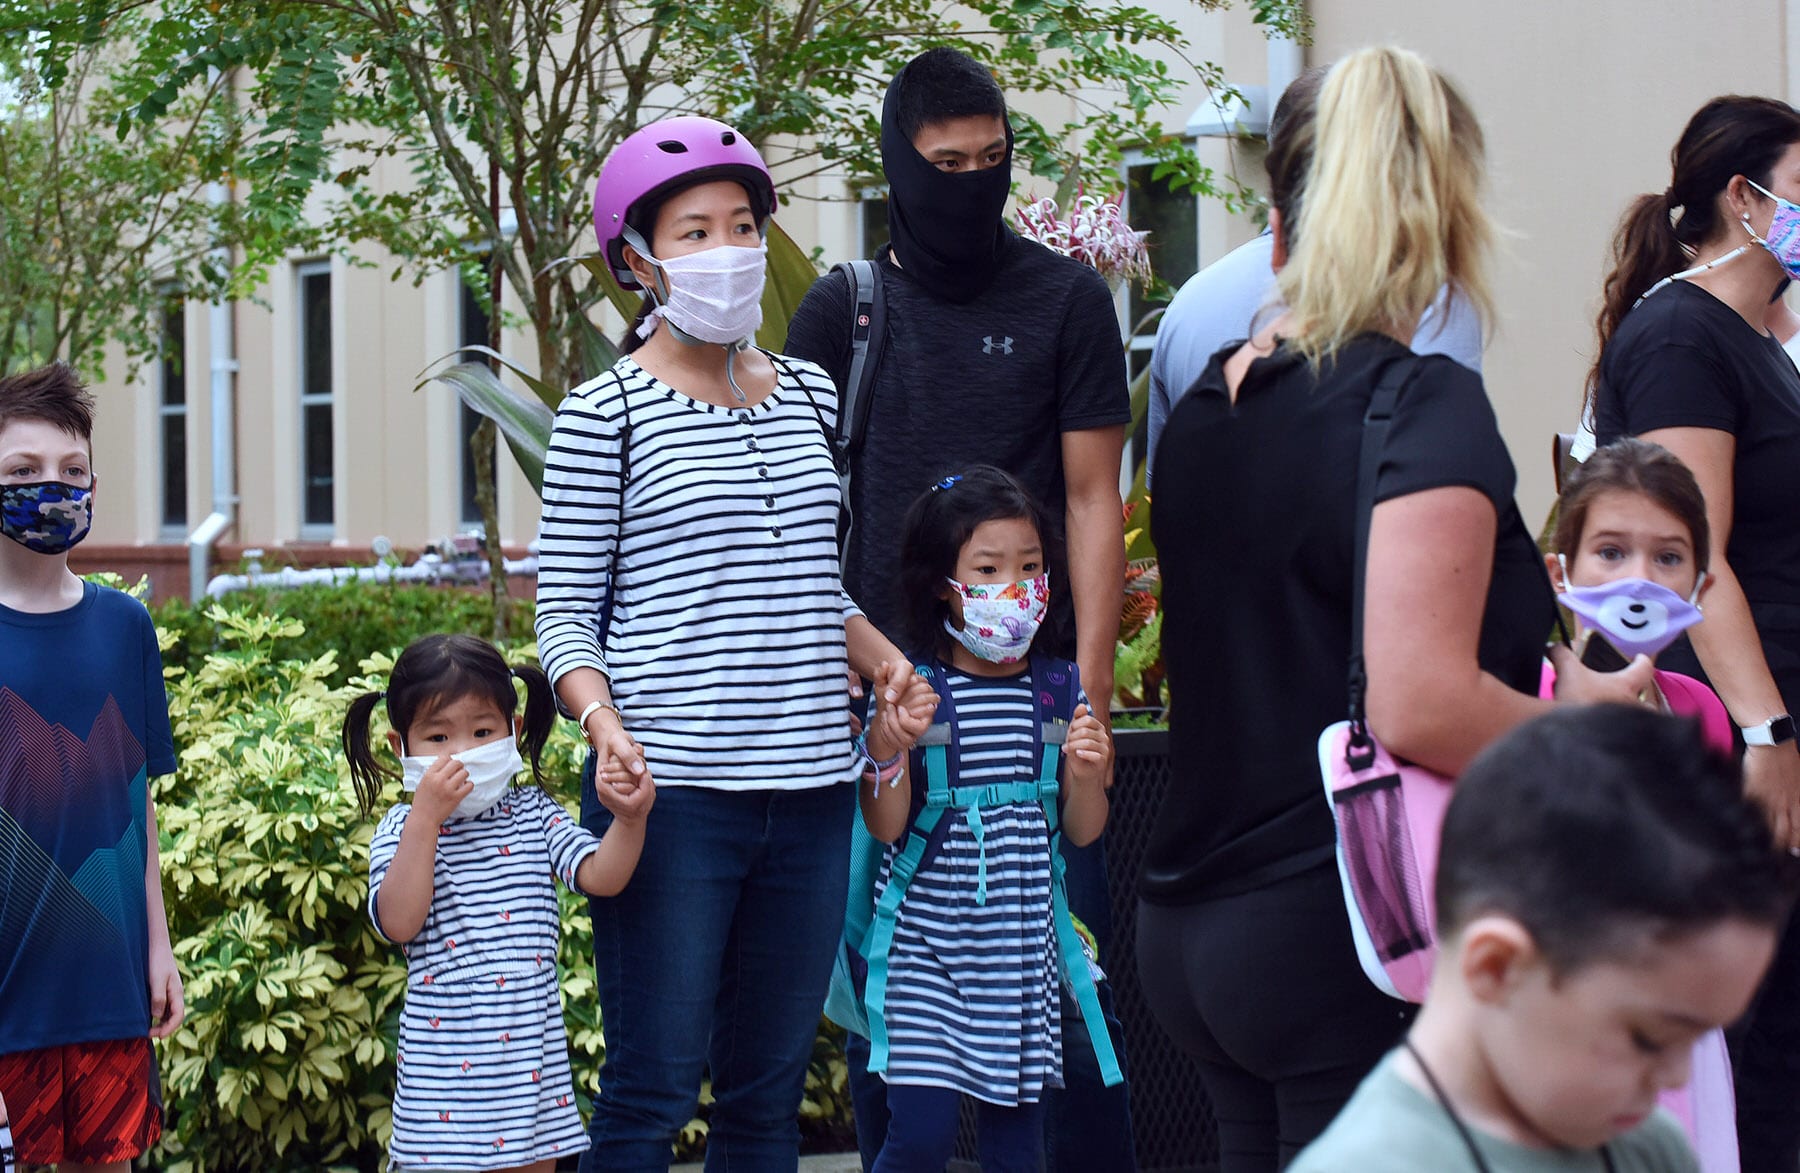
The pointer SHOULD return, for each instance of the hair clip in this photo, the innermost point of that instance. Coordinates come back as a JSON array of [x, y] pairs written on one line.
[[946, 482]]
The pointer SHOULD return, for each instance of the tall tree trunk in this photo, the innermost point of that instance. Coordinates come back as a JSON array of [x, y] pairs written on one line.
[[483, 441]]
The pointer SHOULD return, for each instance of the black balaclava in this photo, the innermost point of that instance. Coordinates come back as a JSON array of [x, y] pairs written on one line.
[[946, 227]]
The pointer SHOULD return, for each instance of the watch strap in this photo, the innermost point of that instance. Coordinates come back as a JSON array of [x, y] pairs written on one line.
[[1777, 730]]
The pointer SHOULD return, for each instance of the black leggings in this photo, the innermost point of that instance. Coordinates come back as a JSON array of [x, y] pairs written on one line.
[[1765, 1057], [1264, 989]]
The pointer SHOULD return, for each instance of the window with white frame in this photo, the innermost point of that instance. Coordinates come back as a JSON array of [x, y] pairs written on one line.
[[871, 220], [172, 414], [472, 330], [1173, 220], [317, 457]]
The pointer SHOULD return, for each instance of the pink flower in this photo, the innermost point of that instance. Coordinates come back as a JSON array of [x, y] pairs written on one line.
[[1094, 233]]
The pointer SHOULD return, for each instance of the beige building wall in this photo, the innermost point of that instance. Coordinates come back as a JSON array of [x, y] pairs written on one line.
[[1580, 102]]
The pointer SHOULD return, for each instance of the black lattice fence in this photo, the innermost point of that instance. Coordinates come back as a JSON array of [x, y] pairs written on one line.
[[1171, 1120]]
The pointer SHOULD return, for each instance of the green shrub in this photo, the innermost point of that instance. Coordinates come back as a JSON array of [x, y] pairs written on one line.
[[285, 1060], [352, 619]]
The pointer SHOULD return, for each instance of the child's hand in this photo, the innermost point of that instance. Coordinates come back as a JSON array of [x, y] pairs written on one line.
[[1088, 748], [629, 797], [624, 770], [167, 1005], [904, 703], [445, 784]]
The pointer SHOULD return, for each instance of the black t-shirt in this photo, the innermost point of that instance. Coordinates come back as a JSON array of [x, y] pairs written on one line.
[[1685, 359], [996, 380], [1254, 523]]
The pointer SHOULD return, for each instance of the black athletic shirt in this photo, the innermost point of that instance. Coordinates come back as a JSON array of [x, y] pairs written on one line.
[[997, 380], [1253, 520], [1685, 359]]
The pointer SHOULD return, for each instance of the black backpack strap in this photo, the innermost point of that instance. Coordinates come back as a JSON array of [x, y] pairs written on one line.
[[1376, 421], [868, 335], [606, 604]]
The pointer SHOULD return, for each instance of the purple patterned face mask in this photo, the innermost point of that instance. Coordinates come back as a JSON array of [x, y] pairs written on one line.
[[1637, 616], [46, 517], [1783, 237]]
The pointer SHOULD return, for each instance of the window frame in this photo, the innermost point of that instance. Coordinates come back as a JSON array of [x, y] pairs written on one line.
[[310, 529], [170, 527]]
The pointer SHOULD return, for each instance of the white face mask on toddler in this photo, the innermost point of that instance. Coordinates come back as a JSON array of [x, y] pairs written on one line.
[[492, 767]]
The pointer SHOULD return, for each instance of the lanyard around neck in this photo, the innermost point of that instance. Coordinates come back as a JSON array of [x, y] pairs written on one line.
[[1462, 1130]]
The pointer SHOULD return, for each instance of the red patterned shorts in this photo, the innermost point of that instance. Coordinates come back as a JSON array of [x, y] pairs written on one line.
[[88, 1102]]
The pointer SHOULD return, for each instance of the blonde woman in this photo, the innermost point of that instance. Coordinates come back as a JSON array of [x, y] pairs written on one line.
[[1243, 943]]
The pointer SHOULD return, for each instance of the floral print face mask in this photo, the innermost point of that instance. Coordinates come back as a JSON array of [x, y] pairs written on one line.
[[1000, 619]]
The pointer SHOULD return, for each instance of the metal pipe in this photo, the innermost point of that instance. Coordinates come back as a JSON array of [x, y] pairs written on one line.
[[429, 568], [221, 328], [1287, 58]]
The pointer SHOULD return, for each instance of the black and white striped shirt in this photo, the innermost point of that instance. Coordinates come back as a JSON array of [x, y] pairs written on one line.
[[725, 646]]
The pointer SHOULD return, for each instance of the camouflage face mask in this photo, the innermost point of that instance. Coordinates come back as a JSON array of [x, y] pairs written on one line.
[[47, 517]]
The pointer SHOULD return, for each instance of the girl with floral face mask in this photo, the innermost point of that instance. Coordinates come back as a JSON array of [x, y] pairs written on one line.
[[461, 878], [981, 915], [1629, 560]]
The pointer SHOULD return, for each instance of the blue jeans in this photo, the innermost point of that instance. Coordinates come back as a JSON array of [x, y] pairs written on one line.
[[1088, 1125], [922, 1126], [716, 956]]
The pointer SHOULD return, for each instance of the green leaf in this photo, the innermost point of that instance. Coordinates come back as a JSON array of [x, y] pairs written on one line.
[[791, 274], [524, 422]]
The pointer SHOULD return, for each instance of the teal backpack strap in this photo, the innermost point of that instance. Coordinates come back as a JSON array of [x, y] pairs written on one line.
[[933, 755], [1058, 683]]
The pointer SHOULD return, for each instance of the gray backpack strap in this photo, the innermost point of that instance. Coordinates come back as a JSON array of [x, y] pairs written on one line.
[[868, 333]]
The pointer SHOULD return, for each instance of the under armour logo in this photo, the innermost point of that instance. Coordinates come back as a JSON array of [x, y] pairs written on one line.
[[988, 345]]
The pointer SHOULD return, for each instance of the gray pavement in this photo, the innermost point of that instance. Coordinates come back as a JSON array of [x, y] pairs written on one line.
[[828, 1163]]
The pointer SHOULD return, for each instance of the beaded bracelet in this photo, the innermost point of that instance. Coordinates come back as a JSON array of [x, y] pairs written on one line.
[[878, 772]]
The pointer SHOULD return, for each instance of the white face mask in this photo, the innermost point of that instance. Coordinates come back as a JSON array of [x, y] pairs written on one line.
[[492, 767], [714, 295]]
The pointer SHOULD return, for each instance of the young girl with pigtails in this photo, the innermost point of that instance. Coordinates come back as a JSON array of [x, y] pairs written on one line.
[[460, 877]]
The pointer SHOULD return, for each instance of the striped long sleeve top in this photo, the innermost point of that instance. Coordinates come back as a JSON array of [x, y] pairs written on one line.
[[707, 548]]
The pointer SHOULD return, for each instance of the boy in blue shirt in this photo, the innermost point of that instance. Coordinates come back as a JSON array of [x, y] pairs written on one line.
[[87, 975], [1606, 895]]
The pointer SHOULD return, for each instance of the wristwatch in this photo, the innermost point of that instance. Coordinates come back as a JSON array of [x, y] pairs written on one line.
[[1775, 731]]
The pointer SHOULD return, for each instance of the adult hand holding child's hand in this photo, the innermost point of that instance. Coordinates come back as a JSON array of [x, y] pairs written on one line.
[[904, 703], [621, 762]]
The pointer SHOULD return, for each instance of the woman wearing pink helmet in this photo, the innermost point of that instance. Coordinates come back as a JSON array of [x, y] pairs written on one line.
[[691, 617]]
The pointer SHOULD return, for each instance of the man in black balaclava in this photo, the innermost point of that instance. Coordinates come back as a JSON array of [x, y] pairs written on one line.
[[997, 351]]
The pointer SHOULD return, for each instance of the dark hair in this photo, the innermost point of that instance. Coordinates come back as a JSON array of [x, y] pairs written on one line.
[[434, 671], [1290, 145], [53, 394], [1598, 826], [937, 527], [1635, 466], [941, 84], [1728, 136], [632, 340]]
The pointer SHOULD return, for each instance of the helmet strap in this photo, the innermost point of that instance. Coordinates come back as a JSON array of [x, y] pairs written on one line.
[[660, 293]]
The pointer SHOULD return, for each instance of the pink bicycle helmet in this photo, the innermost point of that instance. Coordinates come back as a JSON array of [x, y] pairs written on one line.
[[658, 160]]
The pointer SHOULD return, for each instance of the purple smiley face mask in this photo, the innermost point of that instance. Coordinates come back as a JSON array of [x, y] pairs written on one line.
[[1635, 615]]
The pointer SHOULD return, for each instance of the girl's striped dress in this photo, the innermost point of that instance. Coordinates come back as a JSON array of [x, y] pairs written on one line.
[[973, 1000], [483, 1069]]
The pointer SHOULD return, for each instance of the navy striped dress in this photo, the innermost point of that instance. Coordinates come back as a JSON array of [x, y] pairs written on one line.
[[724, 649], [483, 1069], [973, 998]]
